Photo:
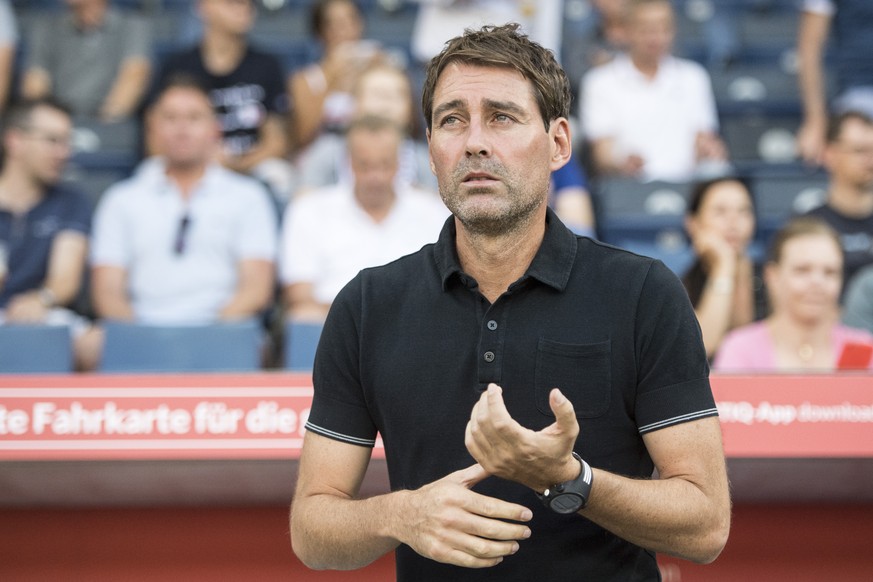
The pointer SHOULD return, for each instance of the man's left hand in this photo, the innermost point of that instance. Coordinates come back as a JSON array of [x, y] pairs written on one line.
[[537, 459]]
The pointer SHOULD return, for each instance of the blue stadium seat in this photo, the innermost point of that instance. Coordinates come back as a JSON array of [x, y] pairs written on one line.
[[222, 347], [633, 210], [35, 349], [301, 341]]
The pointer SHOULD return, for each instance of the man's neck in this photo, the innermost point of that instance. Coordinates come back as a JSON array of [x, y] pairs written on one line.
[[378, 210], [849, 200], [646, 66], [89, 15], [498, 261], [186, 177], [18, 191], [222, 53]]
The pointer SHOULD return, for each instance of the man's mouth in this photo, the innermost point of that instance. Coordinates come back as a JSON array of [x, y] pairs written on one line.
[[479, 177]]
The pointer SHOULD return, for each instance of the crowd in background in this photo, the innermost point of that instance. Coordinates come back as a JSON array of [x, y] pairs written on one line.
[[258, 186]]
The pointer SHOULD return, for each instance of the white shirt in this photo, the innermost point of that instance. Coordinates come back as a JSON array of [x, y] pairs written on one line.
[[657, 119], [137, 226], [327, 237], [823, 7]]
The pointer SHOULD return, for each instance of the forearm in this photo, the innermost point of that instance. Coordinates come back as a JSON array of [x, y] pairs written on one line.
[[333, 532], [714, 311], [673, 516], [114, 308], [127, 90], [811, 39]]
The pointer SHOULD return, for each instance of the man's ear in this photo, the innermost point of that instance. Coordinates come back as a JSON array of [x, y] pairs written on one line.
[[562, 143]]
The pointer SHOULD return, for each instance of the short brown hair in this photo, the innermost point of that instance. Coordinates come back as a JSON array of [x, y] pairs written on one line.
[[797, 227], [504, 46], [837, 122]]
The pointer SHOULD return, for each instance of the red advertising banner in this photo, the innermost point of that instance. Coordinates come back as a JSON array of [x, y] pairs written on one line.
[[262, 416]]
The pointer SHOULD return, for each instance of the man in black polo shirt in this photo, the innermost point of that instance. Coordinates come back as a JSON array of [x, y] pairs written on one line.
[[526, 382]]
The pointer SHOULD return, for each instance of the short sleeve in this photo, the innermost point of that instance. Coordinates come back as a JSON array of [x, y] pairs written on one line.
[[339, 408], [708, 120], [39, 47], [110, 245], [823, 7], [137, 34], [258, 234], [77, 215], [673, 372]]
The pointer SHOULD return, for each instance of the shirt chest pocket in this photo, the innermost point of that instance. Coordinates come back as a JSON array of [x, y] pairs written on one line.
[[581, 371]]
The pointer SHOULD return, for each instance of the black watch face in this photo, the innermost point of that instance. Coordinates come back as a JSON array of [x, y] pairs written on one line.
[[566, 503]]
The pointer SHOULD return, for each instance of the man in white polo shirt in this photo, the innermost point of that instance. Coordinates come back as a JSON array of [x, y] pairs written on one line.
[[332, 233], [647, 113], [184, 241]]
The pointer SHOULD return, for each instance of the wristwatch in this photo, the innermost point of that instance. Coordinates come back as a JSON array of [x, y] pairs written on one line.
[[570, 496]]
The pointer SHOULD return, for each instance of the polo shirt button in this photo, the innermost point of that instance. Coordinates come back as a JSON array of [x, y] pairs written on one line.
[[489, 356], [492, 325]]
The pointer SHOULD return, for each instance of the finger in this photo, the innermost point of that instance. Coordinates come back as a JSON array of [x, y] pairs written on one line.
[[565, 414], [469, 476], [491, 507]]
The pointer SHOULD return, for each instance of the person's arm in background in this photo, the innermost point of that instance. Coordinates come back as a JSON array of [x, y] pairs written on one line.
[[36, 81], [572, 200], [272, 143], [811, 39], [62, 283], [133, 77], [109, 293], [8, 42], [254, 290], [302, 304]]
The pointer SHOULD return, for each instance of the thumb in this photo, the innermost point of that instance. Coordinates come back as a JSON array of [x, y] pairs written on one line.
[[469, 476], [565, 414]]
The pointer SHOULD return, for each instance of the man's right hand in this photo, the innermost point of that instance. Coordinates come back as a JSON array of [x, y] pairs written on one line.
[[447, 522]]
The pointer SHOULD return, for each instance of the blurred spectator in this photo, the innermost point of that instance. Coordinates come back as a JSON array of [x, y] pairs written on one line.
[[8, 43], [592, 38], [92, 57], [440, 20], [183, 241], [858, 311], [321, 93], [331, 234], [246, 89], [803, 333], [384, 90], [848, 156], [850, 24], [43, 225], [648, 114], [723, 283], [571, 199]]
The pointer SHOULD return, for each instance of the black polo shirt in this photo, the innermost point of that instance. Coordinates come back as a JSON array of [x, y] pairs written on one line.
[[408, 348]]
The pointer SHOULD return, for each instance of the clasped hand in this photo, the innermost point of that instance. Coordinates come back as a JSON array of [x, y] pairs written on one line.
[[447, 522]]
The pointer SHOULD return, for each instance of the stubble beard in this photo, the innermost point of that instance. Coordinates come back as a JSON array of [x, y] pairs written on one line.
[[511, 213]]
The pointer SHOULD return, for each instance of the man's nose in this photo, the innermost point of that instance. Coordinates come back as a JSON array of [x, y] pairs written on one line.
[[477, 140]]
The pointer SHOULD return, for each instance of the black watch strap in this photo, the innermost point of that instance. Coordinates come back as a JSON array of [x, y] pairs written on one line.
[[570, 496]]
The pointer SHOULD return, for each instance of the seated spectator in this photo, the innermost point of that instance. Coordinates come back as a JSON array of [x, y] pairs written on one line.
[[848, 156], [849, 23], [331, 234], [185, 240], [246, 88], [858, 311], [594, 39], [439, 21], [321, 92], [44, 226], [724, 285], [93, 58], [648, 114], [803, 332], [384, 90], [571, 199], [8, 43]]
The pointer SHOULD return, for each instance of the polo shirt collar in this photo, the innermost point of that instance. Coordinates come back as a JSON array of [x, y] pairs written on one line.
[[551, 265], [154, 171]]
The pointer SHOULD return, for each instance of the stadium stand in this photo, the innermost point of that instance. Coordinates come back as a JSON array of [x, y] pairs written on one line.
[[32, 349]]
